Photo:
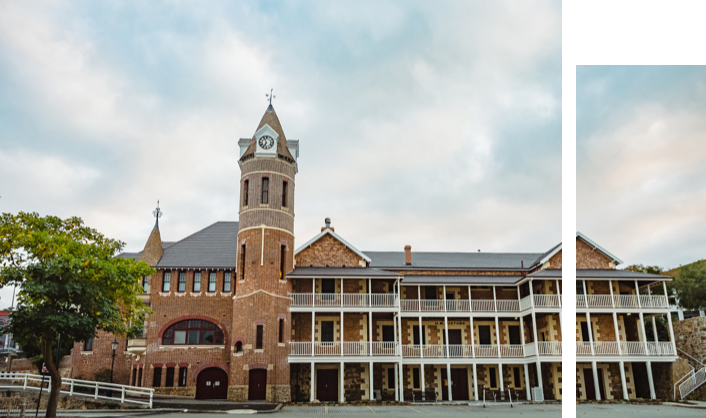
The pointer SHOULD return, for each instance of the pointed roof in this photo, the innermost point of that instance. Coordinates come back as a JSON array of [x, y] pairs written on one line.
[[329, 231], [549, 254], [270, 118]]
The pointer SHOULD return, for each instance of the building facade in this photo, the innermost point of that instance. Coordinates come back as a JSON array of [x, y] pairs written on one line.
[[240, 314], [614, 357]]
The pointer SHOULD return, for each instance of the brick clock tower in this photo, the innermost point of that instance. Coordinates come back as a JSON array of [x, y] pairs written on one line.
[[261, 321]]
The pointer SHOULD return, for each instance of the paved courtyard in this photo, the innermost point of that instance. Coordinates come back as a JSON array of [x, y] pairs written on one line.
[[642, 411]]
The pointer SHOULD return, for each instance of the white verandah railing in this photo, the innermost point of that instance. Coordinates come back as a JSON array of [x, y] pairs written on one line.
[[349, 348], [621, 301], [75, 387], [627, 348], [346, 300]]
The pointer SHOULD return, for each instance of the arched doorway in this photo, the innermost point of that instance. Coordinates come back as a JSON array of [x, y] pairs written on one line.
[[257, 387], [212, 383]]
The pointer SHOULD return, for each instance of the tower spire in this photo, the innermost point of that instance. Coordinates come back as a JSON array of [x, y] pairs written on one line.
[[157, 213]]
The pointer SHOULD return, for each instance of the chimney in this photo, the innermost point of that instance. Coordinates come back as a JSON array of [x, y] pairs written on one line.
[[328, 225], [408, 255]]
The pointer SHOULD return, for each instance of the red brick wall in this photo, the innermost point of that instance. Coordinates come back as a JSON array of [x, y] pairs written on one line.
[[85, 365]]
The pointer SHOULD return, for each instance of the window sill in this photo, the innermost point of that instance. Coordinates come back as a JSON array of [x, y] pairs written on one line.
[[225, 293], [238, 354], [264, 205], [195, 294], [211, 293], [164, 293], [180, 294], [173, 347], [85, 353], [260, 350], [280, 344]]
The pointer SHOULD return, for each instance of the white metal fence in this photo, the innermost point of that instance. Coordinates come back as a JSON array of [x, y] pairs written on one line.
[[346, 300], [75, 387], [621, 301], [347, 348], [625, 348], [692, 382]]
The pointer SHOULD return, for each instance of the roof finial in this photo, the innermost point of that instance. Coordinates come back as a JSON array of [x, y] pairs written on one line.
[[270, 96], [157, 213]]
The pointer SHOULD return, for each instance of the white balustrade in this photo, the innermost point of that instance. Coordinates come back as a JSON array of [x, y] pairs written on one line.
[[599, 301], [299, 348], [625, 301], [511, 350], [547, 301], [461, 305], [301, 299], [384, 348], [482, 305], [661, 348], [411, 350], [605, 348], [332, 348], [654, 301], [350, 348], [633, 348], [434, 351], [508, 305], [410, 305], [580, 301], [530, 349], [549, 348], [583, 348], [327, 299], [460, 351], [486, 350], [384, 300], [431, 305], [350, 300], [525, 303]]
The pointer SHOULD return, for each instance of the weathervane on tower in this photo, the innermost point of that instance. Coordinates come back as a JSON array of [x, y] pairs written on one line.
[[157, 213], [270, 96]]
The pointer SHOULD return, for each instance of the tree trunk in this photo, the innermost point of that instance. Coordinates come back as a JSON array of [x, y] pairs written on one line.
[[55, 379]]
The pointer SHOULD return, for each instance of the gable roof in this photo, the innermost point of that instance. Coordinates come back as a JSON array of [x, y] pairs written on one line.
[[329, 231], [441, 260], [215, 246], [549, 254], [605, 252]]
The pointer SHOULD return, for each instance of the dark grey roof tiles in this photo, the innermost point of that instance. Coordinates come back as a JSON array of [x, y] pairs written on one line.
[[547, 253], [134, 256], [414, 279], [548, 273], [617, 274], [212, 247], [480, 260], [305, 272]]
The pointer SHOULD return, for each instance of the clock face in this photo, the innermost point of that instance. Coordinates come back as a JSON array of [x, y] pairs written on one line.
[[266, 142]]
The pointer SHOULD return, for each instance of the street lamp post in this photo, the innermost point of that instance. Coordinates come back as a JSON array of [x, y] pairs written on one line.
[[114, 346]]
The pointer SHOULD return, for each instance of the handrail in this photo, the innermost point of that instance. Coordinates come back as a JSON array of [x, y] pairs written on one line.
[[679, 349], [123, 390]]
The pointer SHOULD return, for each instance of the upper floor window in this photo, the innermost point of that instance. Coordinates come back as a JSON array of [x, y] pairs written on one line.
[[579, 287], [88, 345], [212, 281], [281, 330], [226, 281], [146, 284], [265, 189], [197, 281], [181, 285], [246, 187], [193, 332], [165, 281], [242, 262], [284, 194], [282, 255], [258, 341]]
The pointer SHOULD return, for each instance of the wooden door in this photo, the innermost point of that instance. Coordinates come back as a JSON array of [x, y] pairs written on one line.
[[459, 383], [590, 388], [601, 387], [327, 385], [514, 331], [212, 383], [444, 385], [257, 389]]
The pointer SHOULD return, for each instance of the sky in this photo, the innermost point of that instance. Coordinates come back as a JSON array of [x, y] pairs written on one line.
[[641, 161], [437, 127]]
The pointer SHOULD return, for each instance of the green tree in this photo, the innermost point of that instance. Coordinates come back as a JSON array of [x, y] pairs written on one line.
[[645, 269], [690, 286], [69, 282]]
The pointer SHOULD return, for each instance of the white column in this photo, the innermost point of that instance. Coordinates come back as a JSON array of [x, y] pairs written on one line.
[[623, 381], [534, 332], [595, 380], [585, 294], [617, 334], [342, 388], [372, 391], [313, 292], [312, 389], [654, 328], [419, 298], [649, 379], [495, 301], [341, 333], [558, 292], [421, 339], [500, 376], [470, 304], [313, 331], [590, 332], [531, 293], [669, 319], [527, 383], [341, 292], [522, 333], [370, 333], [644, 335], [637, 295], [397, 386], [475, 382], [422, 382], [473, 338], [612, 299], [400, 370], [497, 335], [448, 377], [539, 373], [444, 297], [446, 334]]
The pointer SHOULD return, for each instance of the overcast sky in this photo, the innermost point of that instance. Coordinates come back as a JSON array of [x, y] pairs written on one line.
[[438, 127], [641, 161]]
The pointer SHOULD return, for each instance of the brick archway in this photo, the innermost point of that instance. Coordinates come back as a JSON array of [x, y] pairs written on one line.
[[208, 366], [184, 318]]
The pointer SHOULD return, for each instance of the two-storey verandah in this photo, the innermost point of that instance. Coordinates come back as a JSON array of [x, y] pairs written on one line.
[[611, 308]]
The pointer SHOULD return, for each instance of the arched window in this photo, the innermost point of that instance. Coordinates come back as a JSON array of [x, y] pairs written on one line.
[[238, 347], [193, 332]]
